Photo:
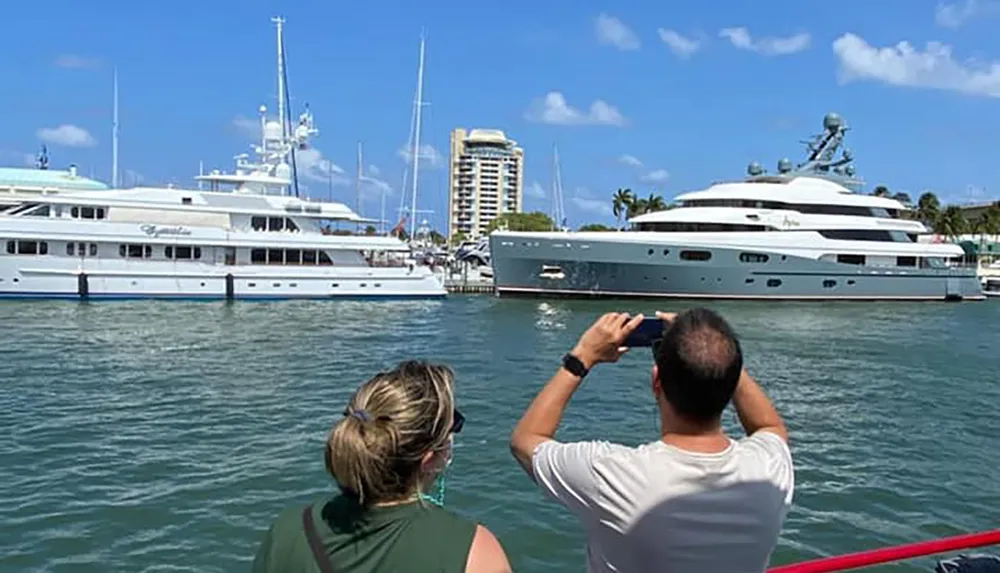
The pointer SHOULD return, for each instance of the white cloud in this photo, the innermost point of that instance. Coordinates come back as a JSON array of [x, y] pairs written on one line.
[[375, 171], [954, 14], [535, 190], [553, 109], [613, 32], [247, 126], [67, 135], [630, 160], [428, 155], [905, 66], [682, 46], [79, 62], [657, 176], [769, 46], [584, 201]]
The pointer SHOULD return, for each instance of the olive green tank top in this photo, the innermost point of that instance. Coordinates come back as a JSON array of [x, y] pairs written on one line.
[[408, 537]]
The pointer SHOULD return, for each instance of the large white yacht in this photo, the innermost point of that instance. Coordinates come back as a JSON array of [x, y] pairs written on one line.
[[803, 233], [254, 241]]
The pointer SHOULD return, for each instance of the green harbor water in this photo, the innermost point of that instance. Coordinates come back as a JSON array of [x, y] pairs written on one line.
[[160, 436]]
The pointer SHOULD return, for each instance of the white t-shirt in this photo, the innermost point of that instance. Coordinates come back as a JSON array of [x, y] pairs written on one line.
[[657, 507]]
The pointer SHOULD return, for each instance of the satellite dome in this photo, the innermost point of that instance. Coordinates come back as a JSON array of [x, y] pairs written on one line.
[[283, 171], [832, 122], [754, 169], [272, 131], [847, 153], [302, 132], [849, 170], [784, 165]]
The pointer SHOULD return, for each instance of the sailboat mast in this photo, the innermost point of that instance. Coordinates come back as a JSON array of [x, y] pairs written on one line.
[[114, 132], [358, 180], [416, 139]]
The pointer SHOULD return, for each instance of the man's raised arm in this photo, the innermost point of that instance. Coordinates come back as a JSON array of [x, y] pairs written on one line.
[[755, 410]]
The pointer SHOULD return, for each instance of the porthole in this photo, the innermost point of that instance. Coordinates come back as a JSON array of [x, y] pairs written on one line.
[[774, 283], [829, 283], [748, 281]]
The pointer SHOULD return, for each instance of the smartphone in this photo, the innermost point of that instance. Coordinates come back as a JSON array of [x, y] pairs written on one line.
[[649, 329]]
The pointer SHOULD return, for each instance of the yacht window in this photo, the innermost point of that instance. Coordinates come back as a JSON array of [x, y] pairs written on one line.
[[881, 213], [182, 252], [81, 249], [753, 257], [695, 255], [309, 257], [87, 213], [43, 248], [168, 252], [906, 261], [258, 223], [275, 224], [857, 235], [290, 225], [147, 251], [69, 249], [121, 250], [93, 249], [100, 212], [230, 255], [774, 283], [197, 252], [258, 256], [829, 283], [851, 259], [324, 259], [75, 212], [684, 227], [11, 247], [275, 257], [185, 200], [293, 257], [28, 248]]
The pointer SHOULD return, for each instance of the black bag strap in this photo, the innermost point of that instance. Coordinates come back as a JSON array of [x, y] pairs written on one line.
[[314, 543]]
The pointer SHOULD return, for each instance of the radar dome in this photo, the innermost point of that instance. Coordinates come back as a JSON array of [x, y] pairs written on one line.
[[283, 171], [301, 133], [754, 169], [832, 122], [849, 170], [272, 131], [784, 165], [848, 154]]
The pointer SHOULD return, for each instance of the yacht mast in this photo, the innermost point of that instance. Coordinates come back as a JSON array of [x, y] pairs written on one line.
[[281, 78], [358, 181], [114, 132], [557, 198], [416, 139]]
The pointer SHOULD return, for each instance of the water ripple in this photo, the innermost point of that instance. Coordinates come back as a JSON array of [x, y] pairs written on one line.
[[166, 437]]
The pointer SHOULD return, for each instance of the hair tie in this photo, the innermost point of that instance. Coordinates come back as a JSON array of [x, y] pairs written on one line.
[[362, 415]]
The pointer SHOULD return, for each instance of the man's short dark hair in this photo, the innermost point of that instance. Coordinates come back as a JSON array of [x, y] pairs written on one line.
[[699, 362]]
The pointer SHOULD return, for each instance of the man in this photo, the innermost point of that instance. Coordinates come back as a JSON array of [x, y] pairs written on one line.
[[693, 501]]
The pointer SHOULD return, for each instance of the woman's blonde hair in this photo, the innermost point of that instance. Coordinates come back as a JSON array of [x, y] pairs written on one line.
[[375, 451]]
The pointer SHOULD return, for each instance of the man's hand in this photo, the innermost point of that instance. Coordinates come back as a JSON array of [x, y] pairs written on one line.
[[603, 340], [666, 317]]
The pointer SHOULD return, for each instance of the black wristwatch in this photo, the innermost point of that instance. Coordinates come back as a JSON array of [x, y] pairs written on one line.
[[574, 365]]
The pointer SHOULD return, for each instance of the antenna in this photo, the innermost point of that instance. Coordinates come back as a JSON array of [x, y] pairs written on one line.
[[416, 138], [114, 132], [281, 76], [201, 173]]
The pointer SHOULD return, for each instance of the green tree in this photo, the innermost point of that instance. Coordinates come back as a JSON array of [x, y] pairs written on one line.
[[621, 203], [881, 191], [651, 204], [370, 230], [535, 221], [928, 208], [951, 223], [903, 198], [458, 238], [437, 238], [594, 227], [989, 223]]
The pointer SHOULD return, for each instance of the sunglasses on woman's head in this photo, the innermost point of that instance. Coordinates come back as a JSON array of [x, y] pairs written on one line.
[[458, 420]]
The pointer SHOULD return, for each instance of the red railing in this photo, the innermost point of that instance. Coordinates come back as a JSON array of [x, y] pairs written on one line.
[[888, 554]]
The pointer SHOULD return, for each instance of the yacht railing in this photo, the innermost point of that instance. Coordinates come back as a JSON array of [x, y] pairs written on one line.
[[892, 554]]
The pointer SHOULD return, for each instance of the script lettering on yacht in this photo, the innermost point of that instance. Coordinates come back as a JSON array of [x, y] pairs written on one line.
[[790, 222], [158, 231]]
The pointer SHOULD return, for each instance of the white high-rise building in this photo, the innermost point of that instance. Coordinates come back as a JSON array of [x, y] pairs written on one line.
[[485, 180]]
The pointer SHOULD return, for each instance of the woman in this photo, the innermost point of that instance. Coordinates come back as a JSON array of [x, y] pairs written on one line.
[[393, 443]]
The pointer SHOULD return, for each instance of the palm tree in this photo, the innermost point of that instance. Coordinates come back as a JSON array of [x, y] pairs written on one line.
[[951, 223], [637, 207], [990, 221], [881, 191], [655, 203], [903, 198], [621, 203], [928, 208]]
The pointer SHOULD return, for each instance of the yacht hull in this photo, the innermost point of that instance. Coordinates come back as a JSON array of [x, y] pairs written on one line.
[[37, 278], [594, 268]]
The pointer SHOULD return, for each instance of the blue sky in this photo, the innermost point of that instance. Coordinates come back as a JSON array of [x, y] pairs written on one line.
[[661, 97]]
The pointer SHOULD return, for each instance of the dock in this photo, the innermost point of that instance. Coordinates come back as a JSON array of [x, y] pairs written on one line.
[[468, 280], [460, 287]]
